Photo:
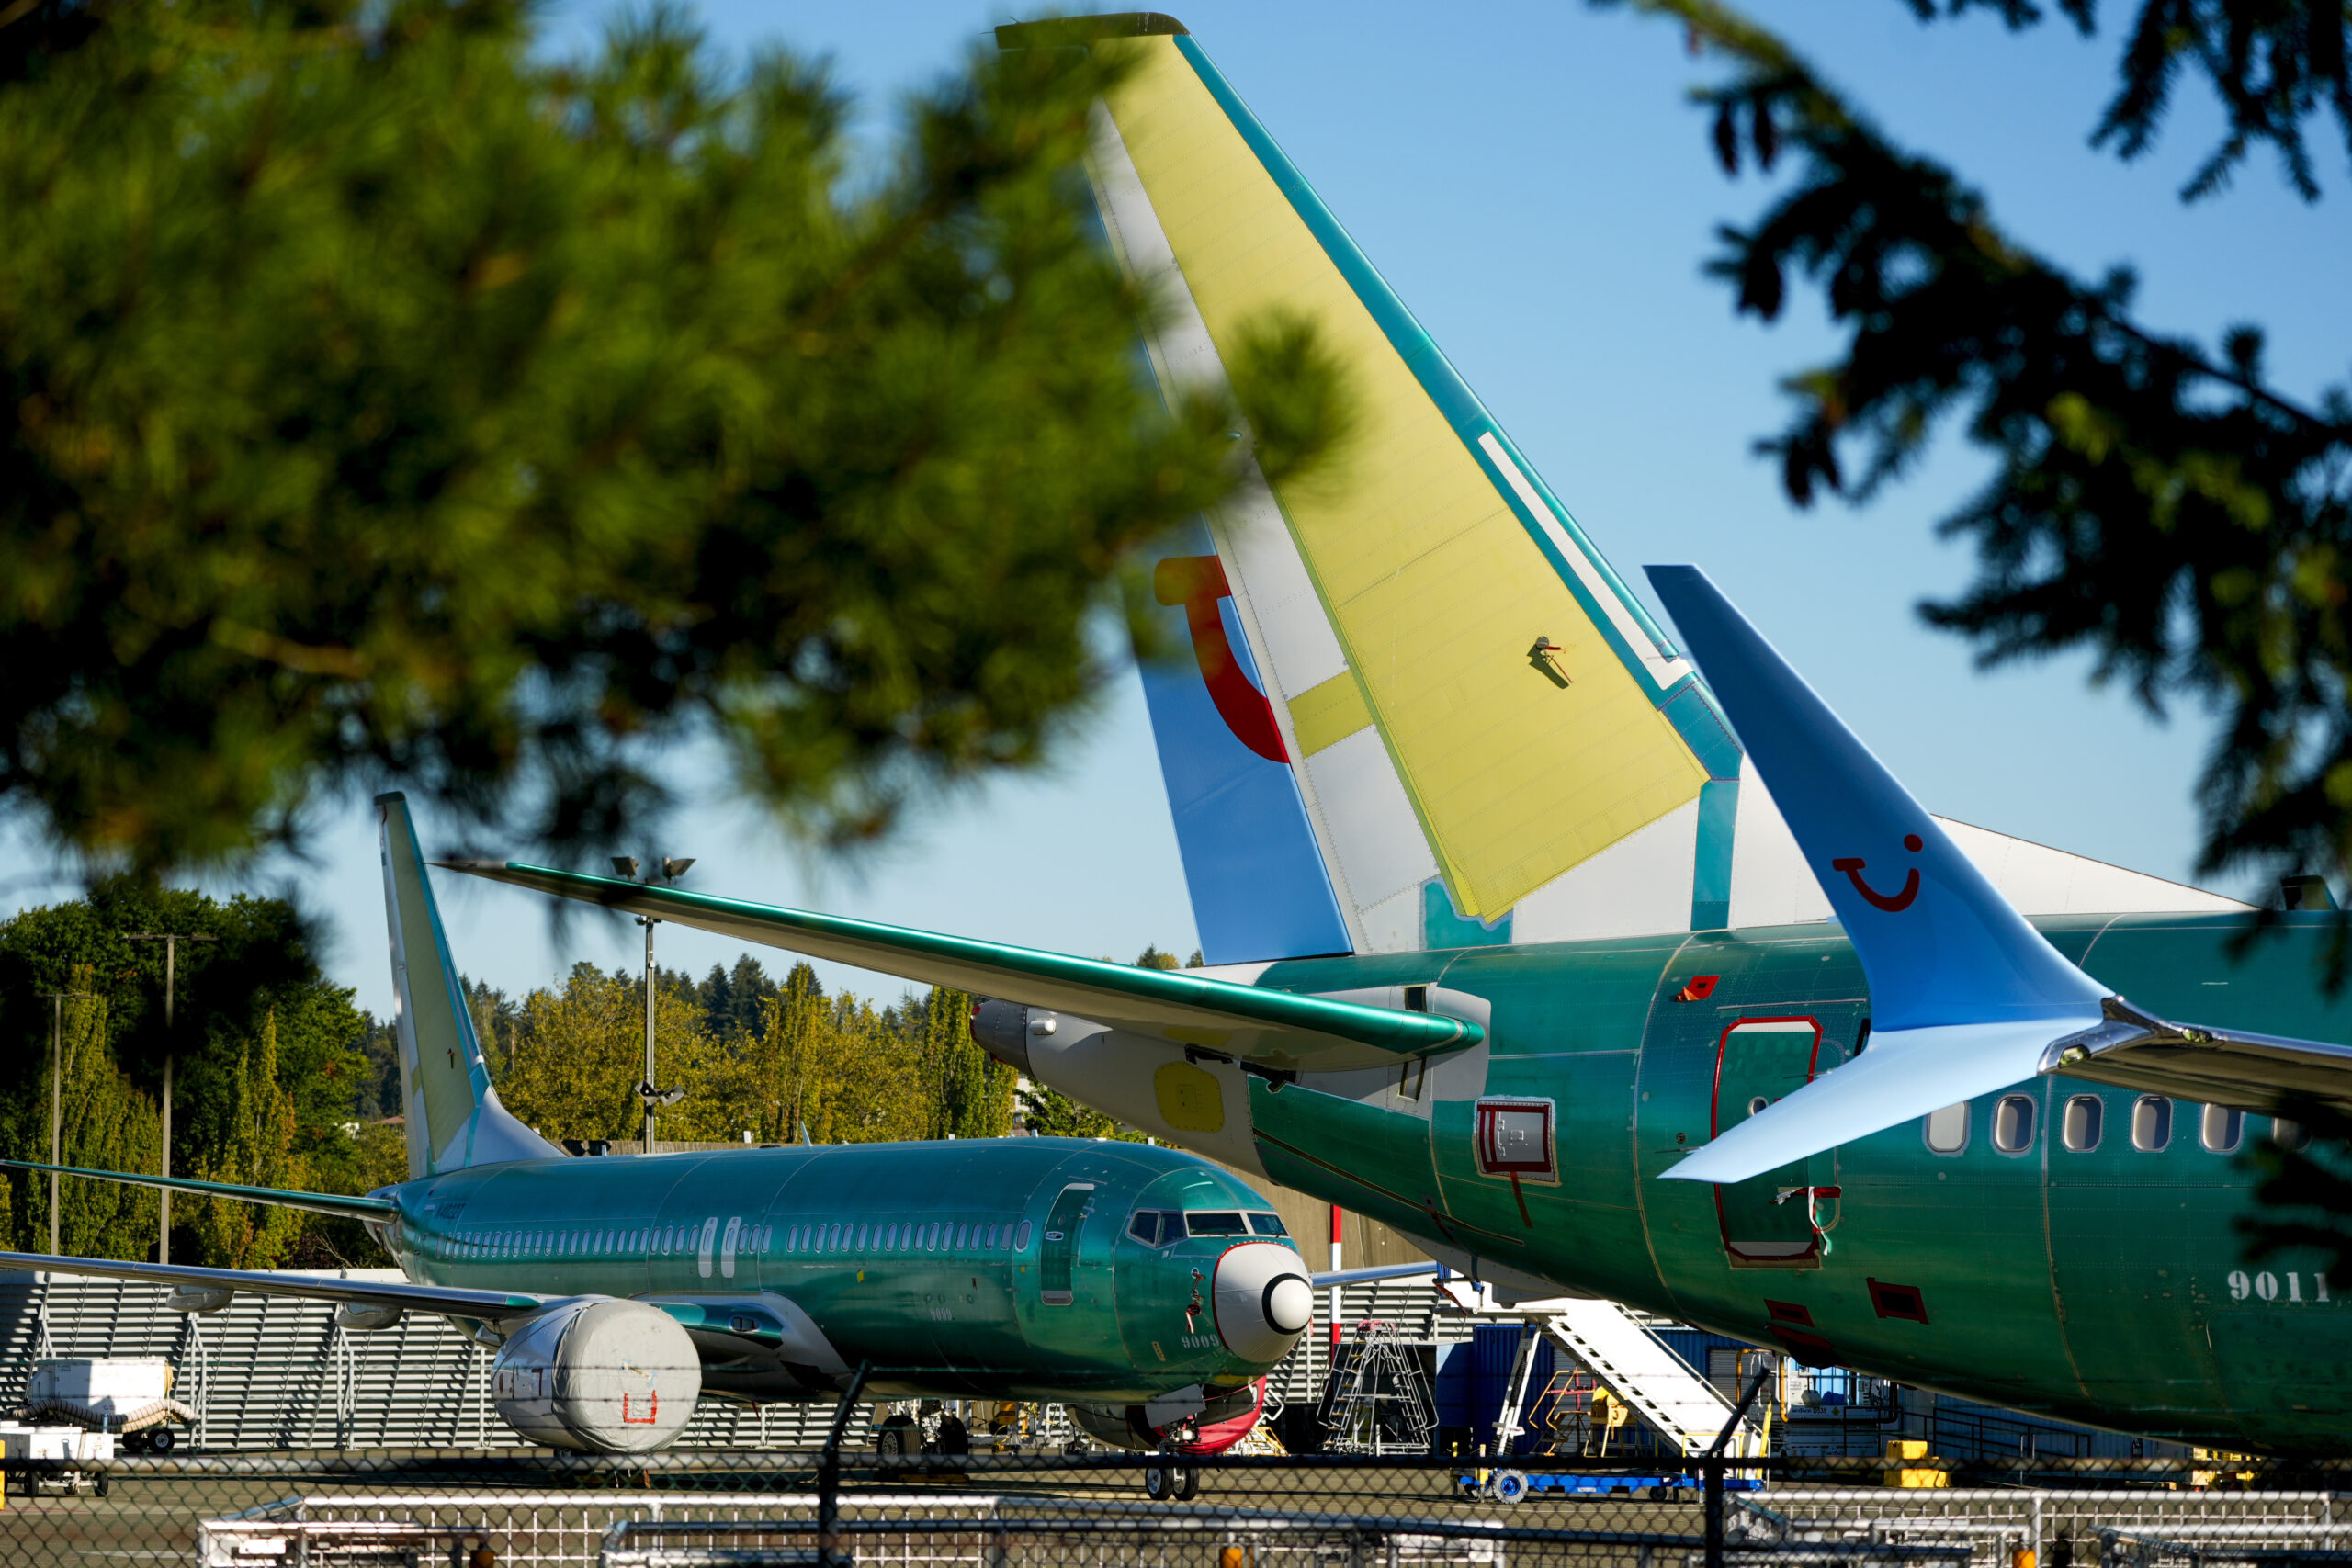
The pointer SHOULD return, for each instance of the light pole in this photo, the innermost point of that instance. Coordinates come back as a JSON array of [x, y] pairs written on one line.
[[57, 1098], [170, 941], [672, 869]]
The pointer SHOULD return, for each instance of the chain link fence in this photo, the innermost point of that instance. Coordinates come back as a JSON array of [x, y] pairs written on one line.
[[1107, 1510], [468, 1509]]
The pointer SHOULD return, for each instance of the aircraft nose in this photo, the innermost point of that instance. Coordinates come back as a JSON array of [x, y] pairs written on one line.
[[1264, 1301]]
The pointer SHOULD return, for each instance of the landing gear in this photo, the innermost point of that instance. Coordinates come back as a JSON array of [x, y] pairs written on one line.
[[896, 1437], [1166, 1479]]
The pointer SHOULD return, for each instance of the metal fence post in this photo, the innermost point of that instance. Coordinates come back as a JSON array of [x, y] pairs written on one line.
[[829, 1476], [1712, 1464], [1712, 1475]]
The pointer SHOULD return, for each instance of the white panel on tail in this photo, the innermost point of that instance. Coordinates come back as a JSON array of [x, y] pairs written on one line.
[[1395, 924], [1381, 848], [1295, 647], [2042, 881], [1640, 883], [1770, 884]]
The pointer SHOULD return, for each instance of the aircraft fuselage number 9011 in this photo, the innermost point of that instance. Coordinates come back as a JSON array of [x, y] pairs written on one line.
[[2269, 1287]]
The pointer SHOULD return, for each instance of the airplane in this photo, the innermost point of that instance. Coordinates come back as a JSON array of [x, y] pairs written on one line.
[[1145, 1288], [1944, 1105]]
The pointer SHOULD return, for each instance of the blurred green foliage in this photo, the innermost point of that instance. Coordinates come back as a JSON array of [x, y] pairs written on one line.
[[2162, 505], [382, 400]]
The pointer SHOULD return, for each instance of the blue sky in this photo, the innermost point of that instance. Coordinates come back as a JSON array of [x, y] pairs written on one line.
[[1533, 180]]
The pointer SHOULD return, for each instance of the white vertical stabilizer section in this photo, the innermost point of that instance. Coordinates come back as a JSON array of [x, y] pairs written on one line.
[[452, 1114]]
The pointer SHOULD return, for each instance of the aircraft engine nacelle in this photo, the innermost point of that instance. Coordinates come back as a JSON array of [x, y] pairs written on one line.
[[599, 1375]]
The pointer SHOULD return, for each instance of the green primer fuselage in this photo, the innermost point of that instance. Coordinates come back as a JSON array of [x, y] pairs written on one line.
[[937, 1262], [2108, 1286]]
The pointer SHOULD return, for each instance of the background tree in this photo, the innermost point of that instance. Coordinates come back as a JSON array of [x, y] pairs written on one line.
[[107, 1124], [971, 1091], [381, 398], [260, 1152], [2155, 501], [253, 994]]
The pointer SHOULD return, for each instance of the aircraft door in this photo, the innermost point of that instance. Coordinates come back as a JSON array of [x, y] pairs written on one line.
[[1766, 1218], [1057, 1251]]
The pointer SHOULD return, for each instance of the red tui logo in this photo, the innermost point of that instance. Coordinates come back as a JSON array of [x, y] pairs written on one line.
[[1893, 903], [1198, 584]]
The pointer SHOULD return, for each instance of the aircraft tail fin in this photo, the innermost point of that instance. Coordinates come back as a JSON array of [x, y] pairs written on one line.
[[453, 1117], [1966, 997], [1418, 707]]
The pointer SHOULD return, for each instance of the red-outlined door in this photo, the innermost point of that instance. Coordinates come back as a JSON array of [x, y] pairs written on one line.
[[1757, 1061]]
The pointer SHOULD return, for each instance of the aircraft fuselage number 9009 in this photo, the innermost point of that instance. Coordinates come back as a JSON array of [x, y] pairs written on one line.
[[2269, 1287]]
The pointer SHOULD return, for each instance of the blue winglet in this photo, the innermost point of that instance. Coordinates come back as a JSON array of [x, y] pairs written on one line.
[[1940, 943], [1964, 992]]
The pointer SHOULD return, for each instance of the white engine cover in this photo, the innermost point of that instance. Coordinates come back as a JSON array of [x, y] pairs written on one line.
[[601, 1374]]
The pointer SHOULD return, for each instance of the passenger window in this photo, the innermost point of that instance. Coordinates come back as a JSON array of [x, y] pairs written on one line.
[[2085, 1116], [1215, 1222], [992, 1238], [1267, 1225], [860, 1238], [2150, 1124], [1144, 1227], [2288, 1134], [2220, 1128], [2013, 1124], [1948, 1129], [963, 1237], [931, 1238], [1021, 1238]]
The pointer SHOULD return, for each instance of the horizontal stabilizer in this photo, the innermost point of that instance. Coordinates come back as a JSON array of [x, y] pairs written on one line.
[[1903, 1073], [316, 1202], [447, 1300], [1267, 1028]]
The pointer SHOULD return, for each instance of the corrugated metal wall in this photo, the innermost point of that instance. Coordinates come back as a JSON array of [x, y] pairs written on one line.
[[273, 1372]]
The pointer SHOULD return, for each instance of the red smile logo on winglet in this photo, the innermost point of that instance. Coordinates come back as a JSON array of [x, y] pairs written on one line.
[[1894, 904]]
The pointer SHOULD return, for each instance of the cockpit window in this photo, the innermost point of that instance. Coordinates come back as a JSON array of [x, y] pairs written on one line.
[[1215, 1222], [1267, 1225], [1144, 1227]]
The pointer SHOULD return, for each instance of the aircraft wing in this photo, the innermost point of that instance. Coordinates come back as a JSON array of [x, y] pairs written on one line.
[[1267, 1028], [446, 1300], [335, 1203], [2263, 1073]]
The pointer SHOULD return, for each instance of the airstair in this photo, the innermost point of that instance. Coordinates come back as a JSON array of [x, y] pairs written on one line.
[[1685, 1409]]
